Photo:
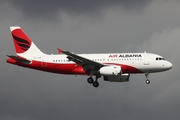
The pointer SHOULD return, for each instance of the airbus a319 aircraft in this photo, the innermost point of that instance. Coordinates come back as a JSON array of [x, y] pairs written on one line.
[[113, 67]]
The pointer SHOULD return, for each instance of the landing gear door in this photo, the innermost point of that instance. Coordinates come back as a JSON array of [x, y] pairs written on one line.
[[146, 59]]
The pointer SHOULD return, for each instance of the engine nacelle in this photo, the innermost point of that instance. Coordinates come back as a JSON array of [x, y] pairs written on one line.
[[119, 78], [110, 70]]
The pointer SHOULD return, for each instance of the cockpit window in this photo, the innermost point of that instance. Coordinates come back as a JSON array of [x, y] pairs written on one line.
[[160, 58]]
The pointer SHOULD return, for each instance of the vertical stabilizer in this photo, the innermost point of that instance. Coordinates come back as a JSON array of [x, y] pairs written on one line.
[[24, 46]]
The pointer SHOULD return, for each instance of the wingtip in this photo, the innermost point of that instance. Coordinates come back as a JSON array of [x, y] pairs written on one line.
[[59, 50], [14, 27]]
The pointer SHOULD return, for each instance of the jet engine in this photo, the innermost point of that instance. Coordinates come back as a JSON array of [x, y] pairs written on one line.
[[118, 78], [110, 70]]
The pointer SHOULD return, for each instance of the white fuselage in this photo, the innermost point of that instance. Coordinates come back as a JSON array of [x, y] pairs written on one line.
[[145, 62]]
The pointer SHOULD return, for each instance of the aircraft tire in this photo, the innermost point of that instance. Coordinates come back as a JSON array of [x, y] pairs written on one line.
[[95, 84], [90, 80], [147, 81]]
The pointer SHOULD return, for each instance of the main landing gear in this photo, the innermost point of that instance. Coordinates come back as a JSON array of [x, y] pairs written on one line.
[[95, 83], [147, 80]]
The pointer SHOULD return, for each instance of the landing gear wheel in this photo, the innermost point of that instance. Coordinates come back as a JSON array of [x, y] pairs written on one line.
[[95, 84], [147, 81], [90, 80]]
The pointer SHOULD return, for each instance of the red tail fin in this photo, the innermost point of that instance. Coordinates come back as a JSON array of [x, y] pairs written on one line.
[[21, 41], [23, 44]]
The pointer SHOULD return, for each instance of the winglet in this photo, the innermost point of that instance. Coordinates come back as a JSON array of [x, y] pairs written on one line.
[[59, 50]]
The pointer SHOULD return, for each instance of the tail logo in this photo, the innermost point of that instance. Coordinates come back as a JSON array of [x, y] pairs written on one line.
[[23, 44]]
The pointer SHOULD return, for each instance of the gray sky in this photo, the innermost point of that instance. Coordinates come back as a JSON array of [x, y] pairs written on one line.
[[91, 27], [46, 8]]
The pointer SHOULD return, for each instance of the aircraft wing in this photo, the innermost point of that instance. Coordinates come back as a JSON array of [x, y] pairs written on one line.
[[87, 64], [22, 60]]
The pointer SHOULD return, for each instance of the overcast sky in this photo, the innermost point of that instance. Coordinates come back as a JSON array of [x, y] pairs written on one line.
[[91, 26]]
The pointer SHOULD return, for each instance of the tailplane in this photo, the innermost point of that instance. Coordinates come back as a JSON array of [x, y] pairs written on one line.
[[24, 46]]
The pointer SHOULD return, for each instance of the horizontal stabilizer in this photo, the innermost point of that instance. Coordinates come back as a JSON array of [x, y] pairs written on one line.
[[22, 60]]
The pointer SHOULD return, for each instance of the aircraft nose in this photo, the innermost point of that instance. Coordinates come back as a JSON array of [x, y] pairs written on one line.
[[169, 65]]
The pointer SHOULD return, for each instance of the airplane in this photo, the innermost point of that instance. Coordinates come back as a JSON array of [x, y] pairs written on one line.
[[113, 67]]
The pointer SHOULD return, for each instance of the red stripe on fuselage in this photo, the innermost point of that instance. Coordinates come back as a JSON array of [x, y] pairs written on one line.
[[65, 68], [60, 68]]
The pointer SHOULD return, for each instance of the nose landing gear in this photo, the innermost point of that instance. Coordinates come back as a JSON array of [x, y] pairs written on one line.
[[147, 80]]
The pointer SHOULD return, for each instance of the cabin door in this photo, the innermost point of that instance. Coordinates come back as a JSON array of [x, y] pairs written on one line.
[[146, 59]]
